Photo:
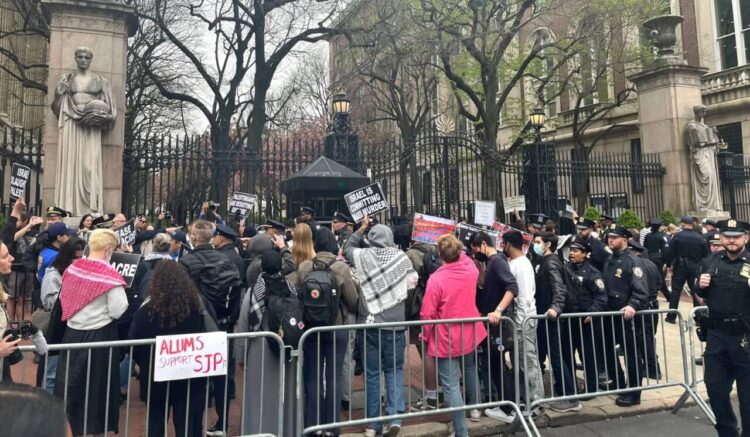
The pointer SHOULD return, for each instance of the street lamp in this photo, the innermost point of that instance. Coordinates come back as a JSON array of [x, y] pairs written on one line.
[[536, 120], [341, 106], [342, 144]]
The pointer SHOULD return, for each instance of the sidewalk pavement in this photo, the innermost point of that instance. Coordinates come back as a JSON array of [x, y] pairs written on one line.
[[600, 408]]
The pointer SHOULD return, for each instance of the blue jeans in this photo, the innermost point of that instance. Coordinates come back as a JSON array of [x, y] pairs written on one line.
[[384, 352], [561, 357], [323, 388], [50, 371], [450, 378], [125, 366]]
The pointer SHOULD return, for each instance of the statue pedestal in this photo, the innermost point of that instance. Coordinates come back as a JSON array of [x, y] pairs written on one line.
[[667, 92], [712, 215], [103, 26]]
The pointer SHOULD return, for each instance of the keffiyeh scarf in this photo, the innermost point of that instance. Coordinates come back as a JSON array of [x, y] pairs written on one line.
[[382, 274], [258, 298], [84, 281]]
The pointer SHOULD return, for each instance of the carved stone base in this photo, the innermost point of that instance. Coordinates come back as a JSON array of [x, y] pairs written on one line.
[[712, 215]]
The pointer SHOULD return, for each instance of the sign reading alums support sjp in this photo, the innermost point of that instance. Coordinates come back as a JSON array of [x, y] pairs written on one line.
[[126, 232], [368, 200], [190, 356], [242, 203], [19, 177], [428, 229]]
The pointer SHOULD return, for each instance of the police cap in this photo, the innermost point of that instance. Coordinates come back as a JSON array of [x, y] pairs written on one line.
[[655, 222], [608, 217], [307, 210], [537, 220], [616, 230], [584, 223], [635, 245], [713, 238], [105, 221], [226, 231], [54, 211], [732, 227], [341, 217], [276, 225], [710, 222], [580, 245]]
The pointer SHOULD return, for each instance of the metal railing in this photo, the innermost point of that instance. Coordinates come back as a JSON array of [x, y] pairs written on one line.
[[405, 337], [119, 357], [695, 350]]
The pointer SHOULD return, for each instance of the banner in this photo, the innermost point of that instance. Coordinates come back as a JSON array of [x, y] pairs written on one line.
[[126, 232], [368, 200], [126, 264], [427, 228], [502, 229], [514, 202], [484, 212], [242, 203], [19, 177], [190, 356], [466, 232]]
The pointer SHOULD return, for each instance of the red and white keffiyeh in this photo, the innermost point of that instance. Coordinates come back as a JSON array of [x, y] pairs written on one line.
[[84, 281]]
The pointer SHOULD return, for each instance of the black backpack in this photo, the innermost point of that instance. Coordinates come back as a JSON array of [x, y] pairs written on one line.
[[283, 316], [432, 262], [220, 283], [319, 298]]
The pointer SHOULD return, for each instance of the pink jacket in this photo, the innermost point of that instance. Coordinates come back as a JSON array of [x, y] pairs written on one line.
[[451, 294]]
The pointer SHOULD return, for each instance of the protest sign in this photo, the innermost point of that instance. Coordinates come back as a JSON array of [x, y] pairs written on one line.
[[428, 229], [514, 202], [466, 231], [126, 264], [368, 200], [502, 229], [190, 356], [484, 212], [242, 203], [19, 177], [126, 232]]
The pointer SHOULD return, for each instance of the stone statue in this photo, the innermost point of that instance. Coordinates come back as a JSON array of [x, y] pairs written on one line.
[[703, 142], [84, 107]]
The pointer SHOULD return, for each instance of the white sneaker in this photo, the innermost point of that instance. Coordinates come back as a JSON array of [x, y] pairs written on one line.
[[369, 432], [498, 414], [475, 415]]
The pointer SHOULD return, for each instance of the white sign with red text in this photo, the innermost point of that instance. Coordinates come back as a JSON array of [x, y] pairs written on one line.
[[190, 356]]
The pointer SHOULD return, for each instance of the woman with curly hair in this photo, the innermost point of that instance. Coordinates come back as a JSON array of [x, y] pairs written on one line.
[[173, 307]]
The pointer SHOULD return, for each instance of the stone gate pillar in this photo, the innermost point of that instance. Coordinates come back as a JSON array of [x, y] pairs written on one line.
[[104, 27]]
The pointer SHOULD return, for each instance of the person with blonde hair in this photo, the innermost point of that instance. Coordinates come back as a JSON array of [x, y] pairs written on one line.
[[92, 298], [303, 248]]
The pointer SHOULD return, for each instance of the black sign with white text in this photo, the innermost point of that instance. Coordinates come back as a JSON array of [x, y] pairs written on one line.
[[368, 200], [242, 203], [19, 177], [126, 232], [126, 264]]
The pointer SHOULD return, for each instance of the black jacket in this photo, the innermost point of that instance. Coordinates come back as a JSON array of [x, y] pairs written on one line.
[[687, 249], [653, 276], [550, 286], [203, 266], [230, 252], [626, 282], [593, 296], [656, 245], [599, 253]]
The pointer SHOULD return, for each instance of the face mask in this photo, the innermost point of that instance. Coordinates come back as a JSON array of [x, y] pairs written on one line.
[[539, 249], [481, 257]]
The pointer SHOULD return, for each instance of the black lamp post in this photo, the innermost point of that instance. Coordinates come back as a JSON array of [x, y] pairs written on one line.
[[536, 120], [540, 177], [342, 143]]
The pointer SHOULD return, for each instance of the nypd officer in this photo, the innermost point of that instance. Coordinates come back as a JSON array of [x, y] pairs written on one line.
[[627, 291], [656, 246], [686, 250], [599, 252], [649, 323], [724, 282]]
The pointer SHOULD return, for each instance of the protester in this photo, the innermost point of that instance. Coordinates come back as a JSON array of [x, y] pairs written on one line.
[[303, 248], [21, 281], [92, 297], [261, 244], [326, 350], [85, 225], [385, 276], [261, 407], [454, 345], [685, 251], [57, 235], [173, 307], [552, 299], [119, 220], [218, 280], [27, 411], [161, 246], [525, 307], [495, 301], [179, 244], [6, 260]]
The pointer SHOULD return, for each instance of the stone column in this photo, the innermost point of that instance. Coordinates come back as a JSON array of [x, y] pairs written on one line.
[[667, 93], [103, 26]]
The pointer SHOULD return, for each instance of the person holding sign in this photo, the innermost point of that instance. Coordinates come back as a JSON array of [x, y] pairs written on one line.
[[92, 298], [57, 235], [173, 307]]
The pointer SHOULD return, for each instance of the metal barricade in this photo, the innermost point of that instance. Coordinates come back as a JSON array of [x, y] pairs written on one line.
[[595, 338], [690, 327], [88, 387], [380, 345]]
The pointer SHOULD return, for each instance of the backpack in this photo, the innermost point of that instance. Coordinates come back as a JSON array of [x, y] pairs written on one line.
[[432, 262], [219, 283], [283, 316], [416, 296], [319, 298]]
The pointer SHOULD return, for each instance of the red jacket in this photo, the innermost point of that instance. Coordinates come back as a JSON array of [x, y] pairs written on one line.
[[451, 294]]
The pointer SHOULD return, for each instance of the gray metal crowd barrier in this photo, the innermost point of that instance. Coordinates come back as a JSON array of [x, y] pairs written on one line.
[[595, 337], [696, 350], [114, 353], [312, 347]]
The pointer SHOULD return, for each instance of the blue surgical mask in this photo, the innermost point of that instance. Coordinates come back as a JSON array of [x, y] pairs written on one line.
[[539, 249]]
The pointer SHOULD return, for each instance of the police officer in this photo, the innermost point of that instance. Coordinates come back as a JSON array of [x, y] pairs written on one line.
[[627, 291], [647, 343], [340, 228], [724, 282], [591, 298], [656, 246], [604, 224], [686, 250], [599, 252]]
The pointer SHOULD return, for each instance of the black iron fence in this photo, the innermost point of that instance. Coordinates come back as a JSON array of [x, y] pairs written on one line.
[[734, 175], [21, 146]]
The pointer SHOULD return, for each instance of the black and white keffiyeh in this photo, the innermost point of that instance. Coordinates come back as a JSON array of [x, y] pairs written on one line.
[[385, 275], [258, 299]]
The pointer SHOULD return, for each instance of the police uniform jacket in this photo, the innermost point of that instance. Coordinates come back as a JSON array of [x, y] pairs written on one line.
[[593, 295], [342, 235], [653, 277], [728, 295], [686, 249], [599, 253], [656, 243], [230, 252], [625, 281]]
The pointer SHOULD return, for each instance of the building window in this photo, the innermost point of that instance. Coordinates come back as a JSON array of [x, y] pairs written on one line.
[[732, 32], [732, 135]]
